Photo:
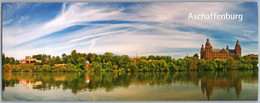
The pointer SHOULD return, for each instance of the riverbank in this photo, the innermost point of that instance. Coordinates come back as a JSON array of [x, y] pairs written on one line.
[[79, 62], [73, 68]]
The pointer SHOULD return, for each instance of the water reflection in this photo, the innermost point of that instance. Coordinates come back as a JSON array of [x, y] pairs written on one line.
[[92, 81]]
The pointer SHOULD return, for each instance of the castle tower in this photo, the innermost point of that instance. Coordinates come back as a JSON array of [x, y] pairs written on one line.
[[238, 48], [202, 52], [227, 47], [208, 50]]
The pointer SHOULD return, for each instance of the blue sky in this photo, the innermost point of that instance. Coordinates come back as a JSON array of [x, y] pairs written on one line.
[[143, 29]]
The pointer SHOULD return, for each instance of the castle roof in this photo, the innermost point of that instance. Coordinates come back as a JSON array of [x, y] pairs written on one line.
[[216, 50], [232, 51], [219, 50]]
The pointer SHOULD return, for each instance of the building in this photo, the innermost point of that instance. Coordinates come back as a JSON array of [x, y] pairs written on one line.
[[253, 55], [208, 52], [29, 61]]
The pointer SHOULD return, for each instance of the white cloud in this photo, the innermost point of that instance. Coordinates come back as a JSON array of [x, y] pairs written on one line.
[[23, 19], [96, 35], [7, 22], [75, 14]]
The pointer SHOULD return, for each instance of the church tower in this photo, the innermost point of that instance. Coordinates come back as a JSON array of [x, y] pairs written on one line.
[[238, 48]]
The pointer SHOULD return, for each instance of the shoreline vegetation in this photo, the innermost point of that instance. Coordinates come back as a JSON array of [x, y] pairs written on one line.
[[108, 62]]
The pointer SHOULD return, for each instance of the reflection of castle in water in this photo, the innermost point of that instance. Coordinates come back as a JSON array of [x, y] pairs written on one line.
[[209, 85]]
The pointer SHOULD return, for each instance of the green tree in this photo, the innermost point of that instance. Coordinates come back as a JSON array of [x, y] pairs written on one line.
[[98, 59], [151, 57], [74, 57], [202, 64], [3, 59], [58, 60], [195, 55], [96, 66], [64, 58], [194, 63], [238, 57], [81, 63], [231, 63], [163, 65], [52, 61], [133, 67]]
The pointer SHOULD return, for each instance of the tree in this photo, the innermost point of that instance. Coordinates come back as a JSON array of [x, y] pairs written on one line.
[[115, 67], [98, 59], [107, 57], [231, 63], [44, 57], [195, 55], [81, 63], [172, 66], [74, 57], [96, 66], [221, 63], [202, 64], [52, 61], [58, 60], [69, 60], [255, 63], [144, 57], [133, 67], [238, 57], [3, 59], [168, 59], [210, 65], [194, 63], [64, 58], [163, 65], [93, 58], [38, 57], [48, 57], [142, 64], [151, 57]]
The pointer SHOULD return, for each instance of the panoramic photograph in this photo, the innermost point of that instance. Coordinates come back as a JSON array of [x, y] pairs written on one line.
[[130, 51]]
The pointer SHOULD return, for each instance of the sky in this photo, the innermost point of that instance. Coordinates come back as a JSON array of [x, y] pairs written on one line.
[[125, 28]]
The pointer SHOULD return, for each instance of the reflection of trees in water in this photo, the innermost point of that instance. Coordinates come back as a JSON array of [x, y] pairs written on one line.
[[92, 81]]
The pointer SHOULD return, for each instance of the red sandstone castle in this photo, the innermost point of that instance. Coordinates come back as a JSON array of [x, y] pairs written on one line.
[[209, 53]]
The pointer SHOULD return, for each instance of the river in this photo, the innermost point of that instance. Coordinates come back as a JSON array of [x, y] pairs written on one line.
[[139, 86]]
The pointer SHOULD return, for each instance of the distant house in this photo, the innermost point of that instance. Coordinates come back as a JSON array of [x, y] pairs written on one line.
[[87, 62], [253, 55], [29, 61]]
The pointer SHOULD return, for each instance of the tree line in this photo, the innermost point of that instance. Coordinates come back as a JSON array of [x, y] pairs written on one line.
[[109, 62]]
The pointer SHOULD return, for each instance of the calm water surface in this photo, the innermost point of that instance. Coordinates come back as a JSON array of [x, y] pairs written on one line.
[[115, 86]]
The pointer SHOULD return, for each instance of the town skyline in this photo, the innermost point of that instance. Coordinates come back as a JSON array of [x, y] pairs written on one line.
[[132, 29]]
